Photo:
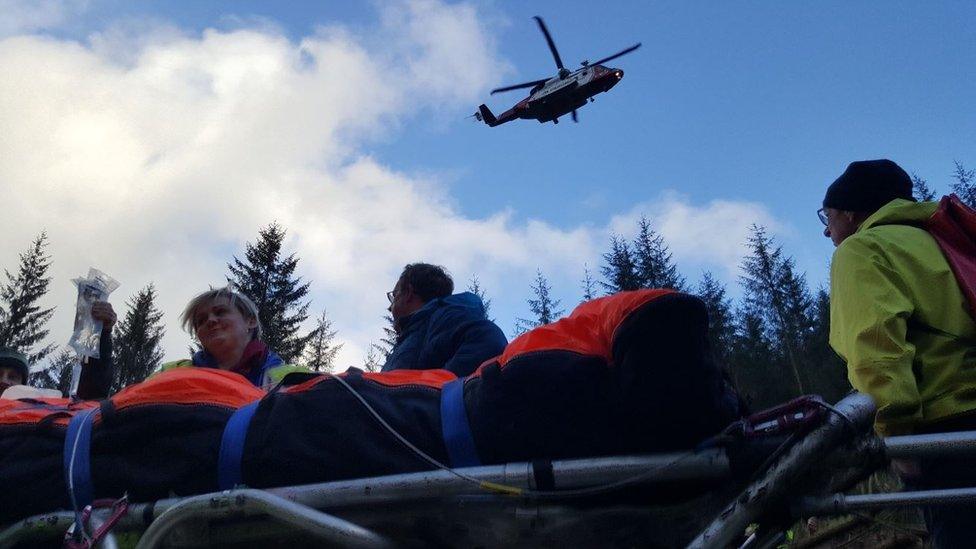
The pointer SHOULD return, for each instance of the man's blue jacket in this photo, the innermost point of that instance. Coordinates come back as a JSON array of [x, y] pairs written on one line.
[[451, 332]]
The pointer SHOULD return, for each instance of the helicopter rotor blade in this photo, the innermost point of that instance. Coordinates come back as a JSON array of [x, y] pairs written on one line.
[[616, 55], [575, 118], [518, 86], [552, 45]]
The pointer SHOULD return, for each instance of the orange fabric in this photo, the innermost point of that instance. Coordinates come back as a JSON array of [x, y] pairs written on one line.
[[434, 379], [14, 412], [177, 386], [589, 330], [426, 378], [190, 386], [306, 385]]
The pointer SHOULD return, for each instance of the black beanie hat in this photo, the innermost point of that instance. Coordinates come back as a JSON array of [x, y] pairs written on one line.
[[14, 359], [867, 185]]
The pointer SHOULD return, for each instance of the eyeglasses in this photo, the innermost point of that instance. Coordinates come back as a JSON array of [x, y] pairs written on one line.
[[390, 295], [823, 216]]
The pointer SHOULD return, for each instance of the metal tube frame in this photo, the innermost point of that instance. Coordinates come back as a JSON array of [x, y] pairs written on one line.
[[237, 503], [772, 489], [568, 474], [931, 445], [842, 504], [295, 504], [427, 485]]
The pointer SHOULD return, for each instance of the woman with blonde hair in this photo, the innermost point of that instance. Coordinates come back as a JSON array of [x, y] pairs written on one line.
[[226, 324]]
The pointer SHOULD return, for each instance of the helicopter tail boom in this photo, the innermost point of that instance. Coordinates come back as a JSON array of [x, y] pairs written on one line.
[[486, 115]]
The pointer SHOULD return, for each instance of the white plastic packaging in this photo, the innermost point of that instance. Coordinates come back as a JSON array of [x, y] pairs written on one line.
[[88, 331], [96, 287]]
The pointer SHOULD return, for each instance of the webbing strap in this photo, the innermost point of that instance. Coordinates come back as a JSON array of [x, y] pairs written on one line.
[[545, 477], [461, 450], [77, 459], [229, 472]]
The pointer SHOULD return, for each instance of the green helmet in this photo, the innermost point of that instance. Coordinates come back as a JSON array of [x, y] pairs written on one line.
[[12, 358]]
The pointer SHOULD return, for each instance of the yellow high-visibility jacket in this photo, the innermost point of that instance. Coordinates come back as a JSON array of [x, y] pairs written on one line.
[[899, 320], [268, 378]]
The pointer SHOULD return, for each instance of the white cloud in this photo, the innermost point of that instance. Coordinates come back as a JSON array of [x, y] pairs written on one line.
[[154, 155], [714, 234]]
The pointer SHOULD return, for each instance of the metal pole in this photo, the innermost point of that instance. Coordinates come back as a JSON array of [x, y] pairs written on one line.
[[842, 504], [47, 526], [428, 485], [568, 474], [772, 490], [238, 503], [936, 444]]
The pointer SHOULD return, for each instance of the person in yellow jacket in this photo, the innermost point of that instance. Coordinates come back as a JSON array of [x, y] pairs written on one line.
[[900, 321], [226, 324]]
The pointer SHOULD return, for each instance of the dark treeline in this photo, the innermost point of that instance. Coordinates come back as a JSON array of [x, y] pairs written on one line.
[[773, 339]]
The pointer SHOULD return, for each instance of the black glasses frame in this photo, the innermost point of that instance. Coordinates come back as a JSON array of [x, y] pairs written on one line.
[[823, 216]]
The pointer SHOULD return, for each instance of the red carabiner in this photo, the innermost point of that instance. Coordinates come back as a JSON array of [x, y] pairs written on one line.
[[75, 540], [797, 414]]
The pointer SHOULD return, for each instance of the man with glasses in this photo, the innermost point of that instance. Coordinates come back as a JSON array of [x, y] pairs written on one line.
[[438, 330], [899, 319]]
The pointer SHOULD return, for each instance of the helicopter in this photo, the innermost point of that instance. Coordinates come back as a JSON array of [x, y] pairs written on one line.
[[553, 97]]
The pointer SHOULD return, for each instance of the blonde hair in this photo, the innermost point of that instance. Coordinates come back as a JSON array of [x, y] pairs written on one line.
[[244, 305]]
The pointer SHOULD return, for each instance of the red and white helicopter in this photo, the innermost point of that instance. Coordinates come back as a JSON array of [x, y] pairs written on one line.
[[553, 97]]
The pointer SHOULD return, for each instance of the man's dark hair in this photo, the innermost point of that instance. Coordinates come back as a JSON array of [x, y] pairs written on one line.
[[427, 281]]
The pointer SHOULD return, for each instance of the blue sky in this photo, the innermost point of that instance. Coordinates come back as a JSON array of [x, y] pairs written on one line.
[[729, 109]]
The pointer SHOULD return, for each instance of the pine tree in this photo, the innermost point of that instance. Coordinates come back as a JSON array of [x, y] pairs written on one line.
[[269, 280], [773, 288], [921, 190], [831, 379], [372, 361], [545, 309], [654, 266], [965, 184], [57, 374], [620, 269], [475, 287], [756, 368], [721, 330], [588, 284], [388, 341], [321, 351], [22, 320], [137, 340]]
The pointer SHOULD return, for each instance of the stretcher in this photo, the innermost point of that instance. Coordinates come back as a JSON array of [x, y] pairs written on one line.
[[743, 489]]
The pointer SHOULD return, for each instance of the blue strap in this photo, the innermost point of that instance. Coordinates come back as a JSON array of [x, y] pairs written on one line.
[[229, 472], [461, 450], [77, 459]]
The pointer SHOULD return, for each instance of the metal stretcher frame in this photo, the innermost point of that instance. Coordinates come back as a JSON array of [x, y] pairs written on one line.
[[845, 436]]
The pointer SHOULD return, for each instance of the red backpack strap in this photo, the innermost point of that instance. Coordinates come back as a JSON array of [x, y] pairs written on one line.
[[953, 226]]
